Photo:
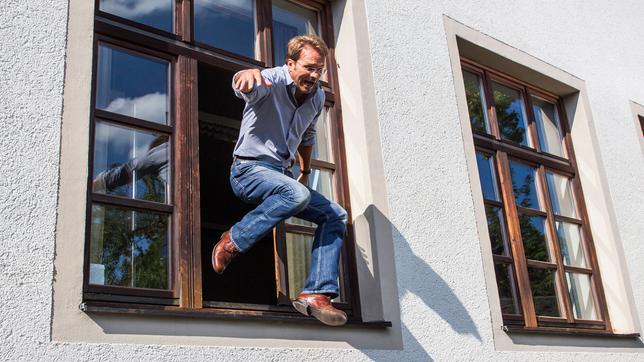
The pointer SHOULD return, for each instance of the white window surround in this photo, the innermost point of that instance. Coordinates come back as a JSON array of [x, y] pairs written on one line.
[[379, 296], [465, 41], [638, 114]]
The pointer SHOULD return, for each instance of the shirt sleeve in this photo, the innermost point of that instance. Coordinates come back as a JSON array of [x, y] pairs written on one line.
[[254, 95]]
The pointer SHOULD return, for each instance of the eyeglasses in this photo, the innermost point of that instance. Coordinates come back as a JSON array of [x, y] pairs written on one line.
[[313, 69]]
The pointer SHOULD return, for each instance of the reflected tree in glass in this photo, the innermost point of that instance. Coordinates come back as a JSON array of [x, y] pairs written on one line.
[[533, 234], [128, 248], [510, 114], [524, 185], [475, 102], [544, 295]]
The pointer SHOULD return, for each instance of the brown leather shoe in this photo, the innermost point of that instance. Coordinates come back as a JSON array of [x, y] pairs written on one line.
[[320, 307], [223, 253]]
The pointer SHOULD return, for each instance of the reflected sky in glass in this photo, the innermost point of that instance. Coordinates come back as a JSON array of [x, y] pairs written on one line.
[[321, 149], [561, 197], [581, 297], [547, 121], [524, 185], [154, 13], [290, 20], [132, 85], [487, 176], [510, 114], [226, 24]]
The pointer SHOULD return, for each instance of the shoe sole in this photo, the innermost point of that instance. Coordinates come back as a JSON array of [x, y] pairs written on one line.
[[330, 319]]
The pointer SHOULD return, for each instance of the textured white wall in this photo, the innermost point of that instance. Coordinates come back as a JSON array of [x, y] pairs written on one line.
[[443, 303]]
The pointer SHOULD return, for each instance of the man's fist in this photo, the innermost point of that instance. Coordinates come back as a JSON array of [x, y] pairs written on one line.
[[247, 79]]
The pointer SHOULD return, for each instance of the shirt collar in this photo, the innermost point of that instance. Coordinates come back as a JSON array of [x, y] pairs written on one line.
[[287, 75]]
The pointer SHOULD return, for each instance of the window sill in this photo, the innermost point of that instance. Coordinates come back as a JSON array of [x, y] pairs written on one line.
[[509, 329], [215, 313]]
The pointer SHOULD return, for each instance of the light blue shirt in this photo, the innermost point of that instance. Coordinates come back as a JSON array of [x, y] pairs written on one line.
[[273, 127]]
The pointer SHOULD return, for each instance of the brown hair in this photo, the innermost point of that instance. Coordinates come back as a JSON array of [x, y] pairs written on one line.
[[296, 45]]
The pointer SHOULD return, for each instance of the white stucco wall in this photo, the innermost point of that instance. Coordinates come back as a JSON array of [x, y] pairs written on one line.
[[442, 295]]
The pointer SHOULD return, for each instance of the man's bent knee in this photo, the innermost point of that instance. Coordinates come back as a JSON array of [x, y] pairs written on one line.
[[299, 196]]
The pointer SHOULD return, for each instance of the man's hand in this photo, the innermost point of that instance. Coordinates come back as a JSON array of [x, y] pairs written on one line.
[[247, 79], [303, 179]]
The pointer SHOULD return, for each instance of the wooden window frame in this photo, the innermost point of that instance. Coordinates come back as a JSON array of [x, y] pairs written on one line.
[[504, 151], [184, 54]]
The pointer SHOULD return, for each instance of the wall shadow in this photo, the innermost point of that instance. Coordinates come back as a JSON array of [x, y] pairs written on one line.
[[413, 275]]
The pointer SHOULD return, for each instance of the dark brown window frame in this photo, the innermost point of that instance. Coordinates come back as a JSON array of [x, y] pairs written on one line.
[[184, 295], [503, 151]]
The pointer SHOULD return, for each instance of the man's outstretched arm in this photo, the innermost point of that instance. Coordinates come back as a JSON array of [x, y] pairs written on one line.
[[250, 85]]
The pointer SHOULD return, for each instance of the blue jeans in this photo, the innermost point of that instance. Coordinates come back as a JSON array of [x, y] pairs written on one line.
[[279, 197]]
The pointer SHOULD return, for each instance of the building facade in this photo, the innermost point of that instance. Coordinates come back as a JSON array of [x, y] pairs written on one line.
[[490, 156]]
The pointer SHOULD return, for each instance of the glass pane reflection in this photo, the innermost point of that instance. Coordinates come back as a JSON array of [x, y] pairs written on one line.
[[510, 114], [581, 296], [290, 20], [155, 13], [524, 185], [496, 229], [476, 102], [130, 163], [321, 149], [544, 295], [487, 176], [534, 236], [570, 244], [547, 121], [128, 248], [132, 85], [298, 254], [320, 181], [227, 25], [507, 290], [560, 189]]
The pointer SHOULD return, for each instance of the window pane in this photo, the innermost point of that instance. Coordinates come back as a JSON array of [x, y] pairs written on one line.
[[534, 236], [298, 255], [227, 25], [290, 20], [507, 290], [524, 185], [510, 114], [487, 175], [132, 85], [560, 189], [476, 102], [320, 181], [128, 248], [572, 250], [544, 295], [130, 163], [321, 149], [581, 296], [156, 13], [496, 228], [547, 119]]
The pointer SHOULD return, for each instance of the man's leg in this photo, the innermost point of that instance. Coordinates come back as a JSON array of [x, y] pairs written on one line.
[[322, 283], [278, 197]]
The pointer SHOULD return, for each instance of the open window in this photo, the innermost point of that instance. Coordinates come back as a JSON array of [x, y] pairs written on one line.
[[164, 125]]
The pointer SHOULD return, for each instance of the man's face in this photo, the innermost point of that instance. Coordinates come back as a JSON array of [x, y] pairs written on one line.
[[307, 70]]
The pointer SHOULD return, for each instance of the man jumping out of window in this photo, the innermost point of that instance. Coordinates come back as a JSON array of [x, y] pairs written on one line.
[[282, 108]]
